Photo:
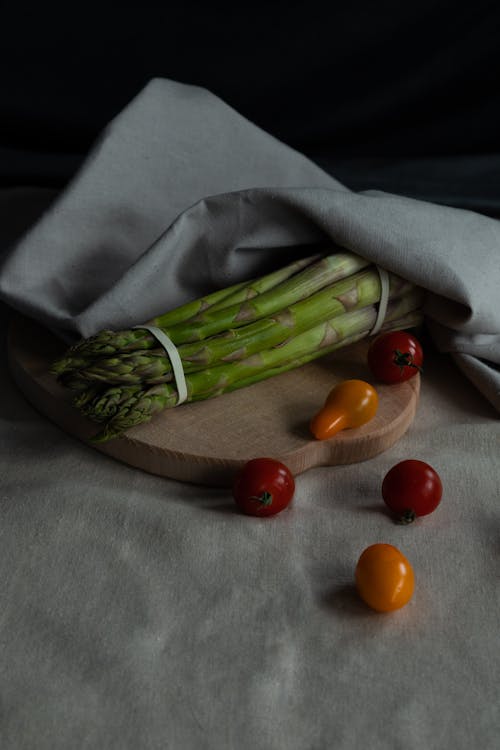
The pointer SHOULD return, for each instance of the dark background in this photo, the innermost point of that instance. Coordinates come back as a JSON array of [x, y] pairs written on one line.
[[396, 96]]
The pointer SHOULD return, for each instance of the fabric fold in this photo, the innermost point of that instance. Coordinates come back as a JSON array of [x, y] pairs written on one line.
[[182, 195]]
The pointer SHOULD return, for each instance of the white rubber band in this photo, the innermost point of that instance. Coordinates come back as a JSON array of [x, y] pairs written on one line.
[[175, 360], [384, 299]]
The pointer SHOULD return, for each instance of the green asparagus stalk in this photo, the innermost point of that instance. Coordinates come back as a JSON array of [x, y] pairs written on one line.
[[410, 320], [243, 291], [206, 322], [141, 404], [77, 357], [357, 291], [303, 286]]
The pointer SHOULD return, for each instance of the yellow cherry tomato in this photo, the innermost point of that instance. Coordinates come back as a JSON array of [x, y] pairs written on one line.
[[384, 578], [351, 403]]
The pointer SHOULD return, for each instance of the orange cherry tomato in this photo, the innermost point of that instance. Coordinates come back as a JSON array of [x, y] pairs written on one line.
[[351, 403], [384, 578]]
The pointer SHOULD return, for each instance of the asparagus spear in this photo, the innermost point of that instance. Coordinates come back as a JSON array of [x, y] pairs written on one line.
[[108, 341], [298, 285], [245, 290], [410, 320], [102, 405], [355, 292], [80, 354], [141, 404]]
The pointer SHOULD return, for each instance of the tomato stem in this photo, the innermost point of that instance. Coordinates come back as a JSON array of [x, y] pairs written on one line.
[[404, 359], [407, 516], [266, 498]]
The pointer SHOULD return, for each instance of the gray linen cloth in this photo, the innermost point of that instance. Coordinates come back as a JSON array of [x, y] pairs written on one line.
[[181, 195]]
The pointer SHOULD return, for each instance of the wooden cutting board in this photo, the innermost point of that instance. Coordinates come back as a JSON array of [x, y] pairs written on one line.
[[206, 442]]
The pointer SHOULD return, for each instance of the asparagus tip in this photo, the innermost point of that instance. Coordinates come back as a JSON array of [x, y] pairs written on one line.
[[104, 435], [58, 367]]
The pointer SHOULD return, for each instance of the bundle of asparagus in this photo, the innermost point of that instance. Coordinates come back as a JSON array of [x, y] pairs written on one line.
[[232, 338]]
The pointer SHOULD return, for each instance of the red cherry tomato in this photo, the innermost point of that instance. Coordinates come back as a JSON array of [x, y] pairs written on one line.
[[395, 356], [410, 489], [263, 487]]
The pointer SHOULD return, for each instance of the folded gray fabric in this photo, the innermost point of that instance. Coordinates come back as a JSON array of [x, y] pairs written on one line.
[[182, 195]]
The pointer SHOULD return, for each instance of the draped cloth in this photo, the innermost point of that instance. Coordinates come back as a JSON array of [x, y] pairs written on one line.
[[181, 195]]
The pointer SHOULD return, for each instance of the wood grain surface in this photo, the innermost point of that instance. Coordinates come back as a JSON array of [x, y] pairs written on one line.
[[206, 442]]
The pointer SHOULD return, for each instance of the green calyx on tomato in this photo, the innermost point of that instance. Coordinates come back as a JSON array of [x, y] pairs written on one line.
[[265, 498], [263, 487], [404, 359], [395, 356], [406, 517], [411, 489]]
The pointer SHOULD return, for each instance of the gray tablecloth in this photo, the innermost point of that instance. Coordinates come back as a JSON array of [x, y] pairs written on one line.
[[139, 613]]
